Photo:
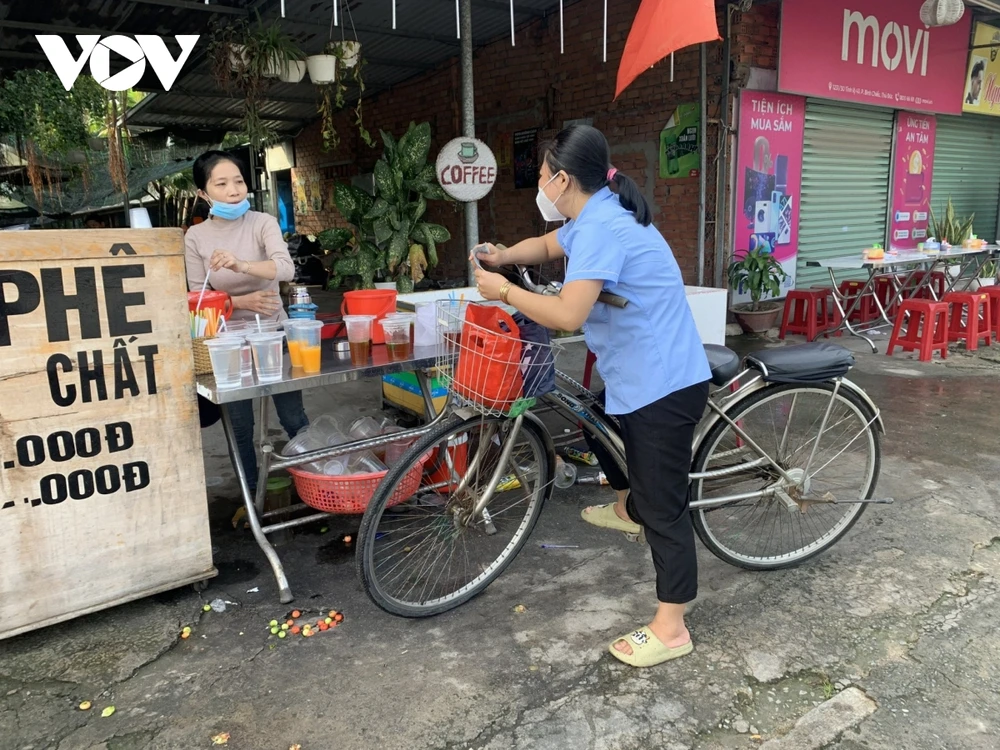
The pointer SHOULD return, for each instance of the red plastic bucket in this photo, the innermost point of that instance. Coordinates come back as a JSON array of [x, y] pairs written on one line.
[[219, 301], [377, 302]]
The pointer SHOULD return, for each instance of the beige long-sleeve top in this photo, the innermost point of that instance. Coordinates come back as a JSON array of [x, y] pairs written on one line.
[[254, 237]]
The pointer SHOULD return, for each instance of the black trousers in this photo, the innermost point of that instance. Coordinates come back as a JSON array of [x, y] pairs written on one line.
[[658, 441]]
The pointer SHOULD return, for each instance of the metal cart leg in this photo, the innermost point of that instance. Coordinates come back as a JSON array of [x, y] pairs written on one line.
[[284, 591]]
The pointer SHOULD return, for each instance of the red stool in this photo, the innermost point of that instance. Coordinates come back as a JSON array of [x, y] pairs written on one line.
[[866, 310], [885, 291], [926, 328], [831, 317], [938, 282], [805, 312], [993, 292], [975, 307]]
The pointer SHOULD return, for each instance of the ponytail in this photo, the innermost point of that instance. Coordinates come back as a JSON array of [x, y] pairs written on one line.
[[583, 153], [631, 197]]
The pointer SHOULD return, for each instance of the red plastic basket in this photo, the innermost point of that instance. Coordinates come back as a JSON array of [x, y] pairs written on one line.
[[351, 494]]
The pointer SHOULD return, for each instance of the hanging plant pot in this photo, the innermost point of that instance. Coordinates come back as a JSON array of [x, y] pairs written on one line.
[[349, 53], [273, 69], [96, 144], [293, 71], [322, 68], [238, 57]]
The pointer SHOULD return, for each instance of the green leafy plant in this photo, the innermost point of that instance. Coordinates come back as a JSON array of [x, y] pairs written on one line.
[[387, 233], [43, 119], [989, 270], [244, 58], [950, 228], [333, 97], [755, 273]]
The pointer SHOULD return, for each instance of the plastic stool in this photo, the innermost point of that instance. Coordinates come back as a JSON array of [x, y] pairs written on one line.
[[885, 290], [832, 318], [938, 282], [993, 292], [976, 309], [866, 310], [926, 328], [805, 312]]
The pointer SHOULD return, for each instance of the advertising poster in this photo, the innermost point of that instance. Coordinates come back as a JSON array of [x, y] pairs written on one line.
[[769, 177], [911, 179], [872, 52], [526, 158], [982, 86], [680, 154]]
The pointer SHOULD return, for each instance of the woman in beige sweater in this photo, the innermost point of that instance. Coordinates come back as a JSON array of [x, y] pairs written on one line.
[[243, 254]]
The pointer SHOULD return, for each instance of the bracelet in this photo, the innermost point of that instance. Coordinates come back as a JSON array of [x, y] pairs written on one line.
[[247, 267], [504, 291]]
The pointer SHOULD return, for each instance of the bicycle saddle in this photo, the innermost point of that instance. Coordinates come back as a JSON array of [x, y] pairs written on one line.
[[725, 363], [807, 363]]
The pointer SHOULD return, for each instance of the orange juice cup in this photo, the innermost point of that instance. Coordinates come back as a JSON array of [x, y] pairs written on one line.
[[308, 338], [294, 338]]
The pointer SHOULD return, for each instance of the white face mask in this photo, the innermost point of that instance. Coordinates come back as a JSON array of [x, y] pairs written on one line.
[[548, 207]]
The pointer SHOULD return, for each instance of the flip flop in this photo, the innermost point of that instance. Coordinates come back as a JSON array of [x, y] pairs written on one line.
[[647, 649], [605, 517]]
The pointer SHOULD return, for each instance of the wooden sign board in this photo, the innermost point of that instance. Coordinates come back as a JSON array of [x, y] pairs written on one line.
[[102, 483]]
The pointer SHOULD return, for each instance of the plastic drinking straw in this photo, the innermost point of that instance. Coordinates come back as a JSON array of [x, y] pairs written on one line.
[[204, 286], [259, 328]]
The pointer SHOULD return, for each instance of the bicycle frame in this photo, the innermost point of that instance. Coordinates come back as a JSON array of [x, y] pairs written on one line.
[[720, 402]]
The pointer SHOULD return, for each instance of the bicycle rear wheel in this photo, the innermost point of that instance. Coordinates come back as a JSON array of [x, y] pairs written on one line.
[[783, 530], [430, 553]]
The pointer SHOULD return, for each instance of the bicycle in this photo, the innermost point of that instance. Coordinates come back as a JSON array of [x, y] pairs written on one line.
[[785, 461]]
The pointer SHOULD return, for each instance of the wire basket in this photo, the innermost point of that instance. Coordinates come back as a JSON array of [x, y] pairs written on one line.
[[492, 361], [350, 494]]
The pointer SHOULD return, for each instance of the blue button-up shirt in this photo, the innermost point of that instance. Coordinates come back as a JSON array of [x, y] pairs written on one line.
[[651, 348]]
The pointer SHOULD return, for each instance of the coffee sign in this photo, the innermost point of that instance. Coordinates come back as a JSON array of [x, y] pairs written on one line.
[[102, 485], [872, 52], [466, 169]]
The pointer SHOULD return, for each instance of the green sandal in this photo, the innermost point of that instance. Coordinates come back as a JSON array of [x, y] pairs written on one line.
[[605, 517], [647, 649]]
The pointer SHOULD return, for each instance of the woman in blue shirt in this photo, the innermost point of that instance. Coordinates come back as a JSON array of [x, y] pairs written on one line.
[[649, 355]]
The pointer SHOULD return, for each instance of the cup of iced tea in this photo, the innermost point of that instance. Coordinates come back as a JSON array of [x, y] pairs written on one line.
[[451, 315], [359, 337], [411, 319], [397, 338]]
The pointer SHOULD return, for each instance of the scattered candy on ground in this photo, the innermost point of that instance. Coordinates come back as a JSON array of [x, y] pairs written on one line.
[[107, 712], [85, 706], [520, 609], [220, 739], [207, 608]]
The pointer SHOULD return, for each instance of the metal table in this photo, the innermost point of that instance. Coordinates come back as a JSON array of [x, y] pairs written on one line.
[[336, 368], [903, 269]]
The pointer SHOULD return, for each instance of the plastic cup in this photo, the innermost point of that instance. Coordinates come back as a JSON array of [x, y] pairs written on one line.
[[410, 318], [225, 356], [397, 338], [304, 340], [359, 337], [294, 339], [451, 316], [267, 355], [246, 355]]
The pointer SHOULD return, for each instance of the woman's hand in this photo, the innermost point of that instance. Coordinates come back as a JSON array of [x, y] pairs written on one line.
[[488, 284], [264, 302], [225, 259], [490, 254]]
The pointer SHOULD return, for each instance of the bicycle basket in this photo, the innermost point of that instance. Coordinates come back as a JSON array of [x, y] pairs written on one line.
[[482, 358]]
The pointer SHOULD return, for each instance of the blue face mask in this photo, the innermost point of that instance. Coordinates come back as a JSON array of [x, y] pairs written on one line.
[[230, 210]]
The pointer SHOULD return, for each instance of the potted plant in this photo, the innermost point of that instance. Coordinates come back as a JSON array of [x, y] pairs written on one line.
[[756, 273], [322, 68], [349, 52], [388, 235], [988, 274], [951, 230], [273, 53]]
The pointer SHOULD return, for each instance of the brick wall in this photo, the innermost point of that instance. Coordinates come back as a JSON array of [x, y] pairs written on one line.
[[532, 85]]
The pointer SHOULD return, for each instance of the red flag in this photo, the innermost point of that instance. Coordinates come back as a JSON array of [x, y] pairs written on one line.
[[661, 27]]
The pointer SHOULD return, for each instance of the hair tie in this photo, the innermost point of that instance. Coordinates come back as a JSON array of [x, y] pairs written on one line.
[[611, 174]]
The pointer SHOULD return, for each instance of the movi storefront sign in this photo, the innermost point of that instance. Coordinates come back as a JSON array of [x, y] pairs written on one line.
[[140, 50]]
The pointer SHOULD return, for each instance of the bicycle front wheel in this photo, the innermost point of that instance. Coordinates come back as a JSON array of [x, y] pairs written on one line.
[[789, 524], [433, 551]]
